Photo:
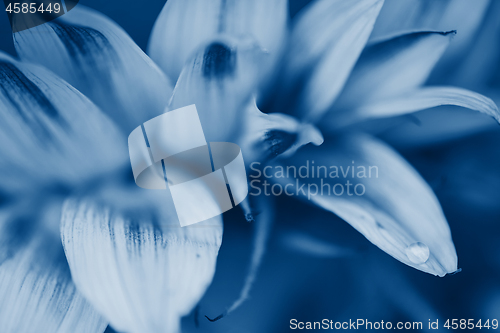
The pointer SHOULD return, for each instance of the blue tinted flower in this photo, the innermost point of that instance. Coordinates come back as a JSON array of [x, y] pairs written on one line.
[[82, 85]]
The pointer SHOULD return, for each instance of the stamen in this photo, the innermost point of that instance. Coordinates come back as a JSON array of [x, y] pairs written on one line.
[[263, 226]]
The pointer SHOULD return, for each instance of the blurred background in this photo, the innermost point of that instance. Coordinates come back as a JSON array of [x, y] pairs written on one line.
[[317, 266]]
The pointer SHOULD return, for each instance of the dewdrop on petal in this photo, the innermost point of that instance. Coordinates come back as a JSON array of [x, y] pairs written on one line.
[[418, 253]]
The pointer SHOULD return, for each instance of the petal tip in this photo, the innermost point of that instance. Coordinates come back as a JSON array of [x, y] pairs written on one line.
[[451, 33]]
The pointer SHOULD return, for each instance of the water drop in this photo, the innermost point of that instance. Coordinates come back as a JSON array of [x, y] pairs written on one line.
[[418, 253]]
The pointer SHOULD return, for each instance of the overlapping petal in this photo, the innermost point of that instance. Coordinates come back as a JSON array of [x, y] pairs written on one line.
[[393, 66], [220, 79], [473, 67], [50, 132], [326, 40], [475, 24], [430, 127], [404, 16], [425, 98], [184, 25], [397, 210], [267, 136], [142, 273], [388, 77], [36, 291], [465, 17], [97, 57]]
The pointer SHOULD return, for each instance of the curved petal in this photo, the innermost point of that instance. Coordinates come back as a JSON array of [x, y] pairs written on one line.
[[475, 68], [36, 291], [326, 41], [392, 67], [421, 99], [97, 57], [463, 16], [381, 196], [266, 136], [400, 16], [431, 127], [142, 273], [50, 132], [220, 79], [184, 25]]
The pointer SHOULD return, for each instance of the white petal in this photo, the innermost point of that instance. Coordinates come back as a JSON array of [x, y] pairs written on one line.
[[220, 79], [326, 41], [97, 57], [464, 16], [392, 67], [432, 126], [50, 132], [472, 67], [425, 98], [142, 273], [36, 291], [397, 210], [184, 25], [266, 136], [402, 16]]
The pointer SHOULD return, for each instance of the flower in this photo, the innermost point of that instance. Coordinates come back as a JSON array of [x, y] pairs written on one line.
[[82, 85]]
